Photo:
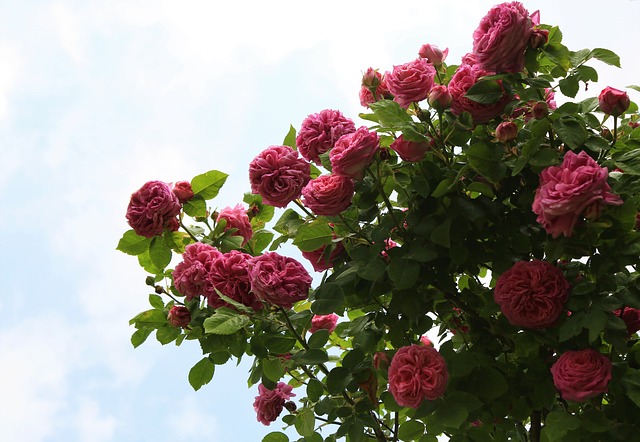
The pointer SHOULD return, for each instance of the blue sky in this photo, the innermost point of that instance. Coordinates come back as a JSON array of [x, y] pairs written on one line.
[[97, 98]]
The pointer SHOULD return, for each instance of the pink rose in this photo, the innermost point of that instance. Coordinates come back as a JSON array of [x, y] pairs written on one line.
[[319, 132], [270, 403], [278, 280], [278, 175], [324, 322], [179, 316], [417, 373], [433, 54], [501, 39], [237, 218], [191, 276], [328, 195], [183, 191], [411, 82], [631, 317], [424, 340], [613, 101], [354, 152], [506, 131], [321, 259], [568, 191], [410, 150], [466, 76], [229, 273], [152, 209], [532, 294], [580, 375], [440, 98]]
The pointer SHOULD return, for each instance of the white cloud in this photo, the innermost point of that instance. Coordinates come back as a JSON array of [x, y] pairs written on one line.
[[12, 64], [91, 424], [189, 422], [68, 27]]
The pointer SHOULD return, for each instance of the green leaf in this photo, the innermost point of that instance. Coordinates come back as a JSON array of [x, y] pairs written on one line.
[[273, 369], [629, 161], [390, 114], [156, 301], [328, 298], [225, 322], [569, 86], [450, 415], [275, 436], [312, 236], [151, 318], [167, 333], [305, 422], [315, 390], [159, 253], [403, 273], [312, 356], [290, 138], [558, 424], [571, 131], [201, 373], [411, 430], [139, 336], [133, 244], [196, 206], [338, 379], [485, 92], [318, 339], [486, 159], [260, 240], [441, 234], [631, 382], [208, 184], [634, 87], [606, 56]]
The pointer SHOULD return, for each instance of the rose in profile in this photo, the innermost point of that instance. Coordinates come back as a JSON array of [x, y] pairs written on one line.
[[568, 191], [613, 101], [179, 316], [278, 175], [319, 132], [191, 276], [229, 274], [631, 317], [411, 82], [324, 322], [354, 152], [417, 373], [506, 131], [502, 37], [410, 150], [532, 294], [152, 209], [580, 375], [278, 280], [440, 98], [433, 54], [270, 403], [183, 191], [328, 195], [321, 259], [237, 218]]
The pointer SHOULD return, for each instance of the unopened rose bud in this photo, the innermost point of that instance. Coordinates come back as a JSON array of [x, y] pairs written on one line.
[[433, 54], [384, 154], [424, 340], [253, 211], [506, 131], [371, 78], [179, 316], [150, 281], [440, 98], [381, 361], [183, 191], [606, 134], [290, 406], [540, 110], [159, 289], [613, 101], [539, 38], [634, 124]]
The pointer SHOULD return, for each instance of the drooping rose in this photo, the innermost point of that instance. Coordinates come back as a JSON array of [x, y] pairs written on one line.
[[410, 150], [278, 280], [417, 373], [229, 274], [506, 131], [270, 403], [321, 259], [466, 76], [532, 294], [411, 82], [183, 191], [440, 98], [319, 132], [582, 374], [568, 191], [237, 218], [613, 101], [433, 54], [324, 322], [191, 276], [152, 209], [179, 316], [501, 39], [278, 175], [631, 317], [354, 152], [328, 195]]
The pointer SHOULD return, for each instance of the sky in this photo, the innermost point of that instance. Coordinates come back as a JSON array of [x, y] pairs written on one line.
[[98, 97]]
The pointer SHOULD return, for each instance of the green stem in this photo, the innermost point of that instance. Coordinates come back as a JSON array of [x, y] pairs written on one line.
[[615, 130], [188, 231], [387, 203], [303, 208]]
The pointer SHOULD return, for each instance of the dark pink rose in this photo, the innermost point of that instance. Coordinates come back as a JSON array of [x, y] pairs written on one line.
[[354, 152], [237, 218], [501, 39], [506, 131], [324, 322], [631, 317], [540, 110], [466, 76], [278, 175], [440, 98], [410, 150], [577, 187], [319, 132], [328, 195], [270, 403], [417, 373], [411, 82], [179, 316], [424, 340], [183, 191], [191, 276], [433, 54], [152, 209], [580, 375], [321, 259], [229, 274], [532, 294], [613, 101], [278, 280]]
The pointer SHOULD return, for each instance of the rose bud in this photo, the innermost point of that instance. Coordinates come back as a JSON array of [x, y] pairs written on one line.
[[605, 133], [506, 131], [381, 360], [539, 110], [371, 78], [433, 54], [613, 101], [539, 38], [183, 191], [179, 316], [634, 124], [439, 98]]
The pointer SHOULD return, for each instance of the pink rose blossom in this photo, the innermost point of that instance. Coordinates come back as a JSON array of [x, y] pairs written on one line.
[[354, 152], [321, 260], [580, 375], [433, 54], [278, 280], [183, 191], [417, 373], [613, 101], [179, 316], [237, 218], [411, 82], [152, 209], [463, 79], [501, 39], [569, 191], [191, 276], [229, 274], [328, 195], [278, 175], [506, 131], [324, 322], [319, 132], [631, 317], [532, 294], [440, 98], [270, 403], [424, 340], [410, 150]]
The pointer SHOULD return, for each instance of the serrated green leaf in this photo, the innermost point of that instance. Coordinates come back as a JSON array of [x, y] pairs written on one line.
[[208, 184], [390, 114], [558, 424], [404, 272], [328, 298], [411, 430], [485, 92], [156, 301], [167, 333], [486, 159], [290, 138], [313, 356], [275, 436], [201, 373], [312, 236], [305, 422], [133, 244], [606, 56], [151, 318], [225, 323], [273, 369], [159, 253], [196, 206], [571, 131], [139, 336]]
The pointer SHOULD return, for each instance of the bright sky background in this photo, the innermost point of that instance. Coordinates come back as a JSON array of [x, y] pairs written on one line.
[[98, 97]]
